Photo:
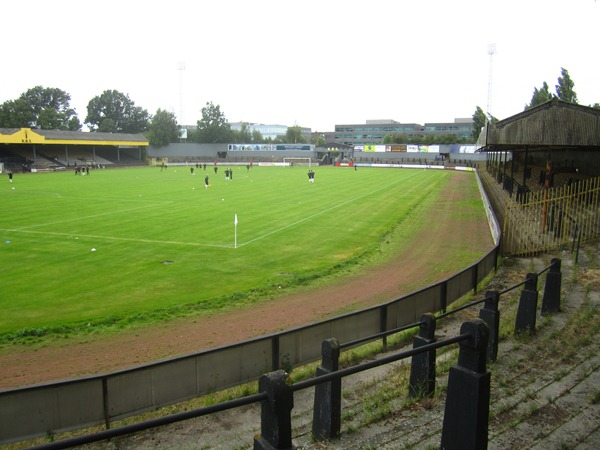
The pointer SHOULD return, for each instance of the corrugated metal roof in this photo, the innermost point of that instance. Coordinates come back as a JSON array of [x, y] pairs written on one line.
[[552, 124], [80, 135]]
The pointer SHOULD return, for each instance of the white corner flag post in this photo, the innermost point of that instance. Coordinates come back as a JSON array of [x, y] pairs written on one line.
[[235, 231]]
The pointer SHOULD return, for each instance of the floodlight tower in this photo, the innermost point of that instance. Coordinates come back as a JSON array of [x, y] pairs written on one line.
[[181, 68], [491, 52]]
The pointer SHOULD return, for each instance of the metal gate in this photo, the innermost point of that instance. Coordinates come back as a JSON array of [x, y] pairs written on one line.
[[550, 218]]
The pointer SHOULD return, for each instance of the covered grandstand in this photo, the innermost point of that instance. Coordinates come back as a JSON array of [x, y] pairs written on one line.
[[26, 150], [543, 175]]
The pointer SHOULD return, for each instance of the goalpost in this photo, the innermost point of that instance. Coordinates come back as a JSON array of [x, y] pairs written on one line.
[[298, 161]]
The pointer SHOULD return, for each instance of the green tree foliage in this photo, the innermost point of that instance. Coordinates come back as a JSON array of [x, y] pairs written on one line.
[[479, 120], [243, 135], [540, 96], [40, 108], [213, 126], [293, 135], [564, 88], [115, 112], [163, 129], [257, 137], [320, 141]]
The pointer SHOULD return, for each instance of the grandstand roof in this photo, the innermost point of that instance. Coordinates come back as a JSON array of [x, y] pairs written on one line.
[[29, 136], [554, 124]]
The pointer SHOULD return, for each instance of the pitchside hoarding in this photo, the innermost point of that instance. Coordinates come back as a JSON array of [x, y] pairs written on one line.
[[409, 148]]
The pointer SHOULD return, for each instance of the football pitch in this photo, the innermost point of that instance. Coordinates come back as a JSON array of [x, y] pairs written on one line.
[[142, 244]]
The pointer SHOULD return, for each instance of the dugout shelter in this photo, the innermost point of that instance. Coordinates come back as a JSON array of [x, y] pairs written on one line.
[[25, 149]]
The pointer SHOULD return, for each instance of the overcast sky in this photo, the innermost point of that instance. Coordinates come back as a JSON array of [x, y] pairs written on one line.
[[310, 63]]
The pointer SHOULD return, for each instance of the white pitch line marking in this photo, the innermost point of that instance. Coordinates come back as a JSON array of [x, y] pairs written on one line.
[[115, 238], [339, 205], [88, 217]]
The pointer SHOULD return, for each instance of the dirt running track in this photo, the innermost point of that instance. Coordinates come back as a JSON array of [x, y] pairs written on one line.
[[446, 233]]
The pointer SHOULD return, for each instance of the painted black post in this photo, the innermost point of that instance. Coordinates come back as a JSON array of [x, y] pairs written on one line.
[[276, 412], [422, 368], [491, 316], [467, 407], [327, 412], [551, 297], [443, 296], [275, 353], [475, 277], [527, 310], [383, 323]]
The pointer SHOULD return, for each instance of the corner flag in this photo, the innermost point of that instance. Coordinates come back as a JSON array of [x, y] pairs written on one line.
[[235, 231]]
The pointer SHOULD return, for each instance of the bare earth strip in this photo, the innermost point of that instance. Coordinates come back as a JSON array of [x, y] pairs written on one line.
[[430, 253]]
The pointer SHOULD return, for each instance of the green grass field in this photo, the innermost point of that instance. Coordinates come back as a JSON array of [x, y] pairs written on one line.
[[164, 245]]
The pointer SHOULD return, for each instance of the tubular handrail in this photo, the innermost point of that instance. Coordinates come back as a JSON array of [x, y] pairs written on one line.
[[242, 401], [152, 423], [460, 308], [378, 362], [513, 287], [380, 335]]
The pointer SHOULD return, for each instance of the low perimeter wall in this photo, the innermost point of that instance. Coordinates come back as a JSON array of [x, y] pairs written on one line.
[[35, 411]]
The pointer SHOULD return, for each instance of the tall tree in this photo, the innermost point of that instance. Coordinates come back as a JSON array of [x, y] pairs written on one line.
[[293, 135], [540, 96], [319, 140], [564, 88], [244, 135], [257, 136], [115, 112], [479, 120], [41, 108], [213, 126], [163, 129]]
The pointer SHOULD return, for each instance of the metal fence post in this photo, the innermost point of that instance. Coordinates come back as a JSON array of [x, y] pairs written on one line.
[[422, 367], [327, 412], [527, 310], [551, 297], [276, 412], [467, 406], [491, 316]]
